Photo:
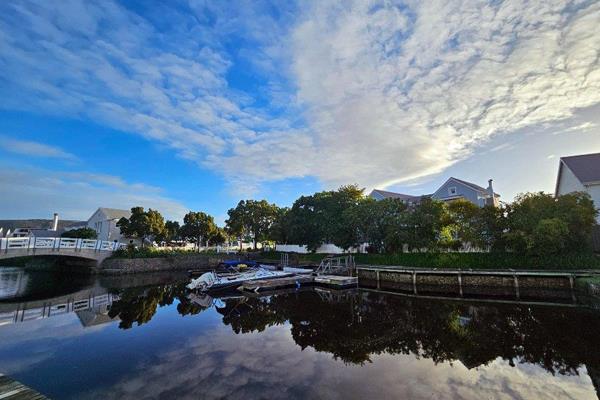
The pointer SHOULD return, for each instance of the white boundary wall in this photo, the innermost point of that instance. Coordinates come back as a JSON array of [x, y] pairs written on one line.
[[328, 248]]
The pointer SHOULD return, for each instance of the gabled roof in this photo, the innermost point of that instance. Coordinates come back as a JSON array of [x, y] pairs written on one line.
[[45, 232], [473, 186], [393, 195], [115, 213], [585, 167]]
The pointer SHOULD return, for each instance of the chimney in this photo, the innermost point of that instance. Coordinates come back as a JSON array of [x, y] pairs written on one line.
[[490, 190], [55, 222]]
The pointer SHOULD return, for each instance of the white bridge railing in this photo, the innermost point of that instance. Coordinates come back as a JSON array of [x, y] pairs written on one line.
[[58, 244]]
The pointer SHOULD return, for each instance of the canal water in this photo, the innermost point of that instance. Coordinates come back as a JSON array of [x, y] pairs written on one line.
[[144, 337]]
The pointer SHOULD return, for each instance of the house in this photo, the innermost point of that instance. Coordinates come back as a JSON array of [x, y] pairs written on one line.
[[104, 222], [378, 194], [24, 232], [454, 189], [580, 174], [451, 190]]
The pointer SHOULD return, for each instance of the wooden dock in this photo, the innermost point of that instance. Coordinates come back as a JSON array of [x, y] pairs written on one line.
[[336, 281], [13, 390], [276, 283], [329, 281]]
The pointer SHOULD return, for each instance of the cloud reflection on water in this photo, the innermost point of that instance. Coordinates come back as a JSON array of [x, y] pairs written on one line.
[[221, 364]]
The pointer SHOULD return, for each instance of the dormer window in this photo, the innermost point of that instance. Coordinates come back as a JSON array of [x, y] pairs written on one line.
[[452, 190]]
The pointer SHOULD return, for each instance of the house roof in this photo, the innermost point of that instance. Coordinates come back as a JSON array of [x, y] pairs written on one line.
[[393, 195], [585, 167], [469, 184], [45, 232], [115, 213]]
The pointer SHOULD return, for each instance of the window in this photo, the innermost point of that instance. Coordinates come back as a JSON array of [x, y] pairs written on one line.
[[452, 191]]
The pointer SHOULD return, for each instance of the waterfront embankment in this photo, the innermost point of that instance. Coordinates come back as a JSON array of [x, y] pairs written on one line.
[[558, 285], [179, 262]]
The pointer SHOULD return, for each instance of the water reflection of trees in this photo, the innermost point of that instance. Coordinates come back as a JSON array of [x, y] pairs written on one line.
[[139, 304], [353, 328]]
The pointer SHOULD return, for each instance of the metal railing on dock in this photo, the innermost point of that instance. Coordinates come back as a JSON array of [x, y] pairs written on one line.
[[336, 265]]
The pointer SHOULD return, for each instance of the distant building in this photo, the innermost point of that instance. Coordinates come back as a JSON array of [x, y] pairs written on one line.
[[580, 174], [53, 231], [406, 198], [452, 189], [104, 222]]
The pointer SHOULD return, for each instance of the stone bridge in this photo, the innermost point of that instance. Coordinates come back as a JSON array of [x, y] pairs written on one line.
[[88, 249]]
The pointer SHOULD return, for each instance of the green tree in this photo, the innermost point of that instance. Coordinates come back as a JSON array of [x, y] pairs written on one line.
[[219, 236], [532, 215], [422, 226], [491, 227], [280, 229], [142, 224], [549, 236], [462, 224], [81, 233], [198, 226], [172, 231], [156, 224], [252, 218], [322, 218], [578, 211], [377, 223]]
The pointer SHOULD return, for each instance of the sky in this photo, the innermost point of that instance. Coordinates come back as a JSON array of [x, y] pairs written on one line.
[[194, 105]]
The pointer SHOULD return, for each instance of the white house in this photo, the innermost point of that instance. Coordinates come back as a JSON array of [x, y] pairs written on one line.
[[580, 174], [451, 190], [104, 222]]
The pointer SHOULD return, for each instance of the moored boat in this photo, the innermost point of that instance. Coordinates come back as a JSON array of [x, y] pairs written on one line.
[[213, 281]]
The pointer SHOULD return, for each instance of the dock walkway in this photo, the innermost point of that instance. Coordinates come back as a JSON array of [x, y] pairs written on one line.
[[13, 390], [331, 281]]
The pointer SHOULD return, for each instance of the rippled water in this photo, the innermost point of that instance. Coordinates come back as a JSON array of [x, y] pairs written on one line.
[[145, 337]]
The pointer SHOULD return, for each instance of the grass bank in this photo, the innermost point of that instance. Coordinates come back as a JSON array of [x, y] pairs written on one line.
[[465, 260]]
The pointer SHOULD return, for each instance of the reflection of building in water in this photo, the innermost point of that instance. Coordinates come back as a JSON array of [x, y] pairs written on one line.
[[13, 282], [97, 315], [90, 309]]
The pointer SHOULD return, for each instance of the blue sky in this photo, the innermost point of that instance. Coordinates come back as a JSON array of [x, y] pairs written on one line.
[[193, 105]]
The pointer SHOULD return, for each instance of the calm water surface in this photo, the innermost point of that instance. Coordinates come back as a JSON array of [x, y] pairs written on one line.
[[144, 337]]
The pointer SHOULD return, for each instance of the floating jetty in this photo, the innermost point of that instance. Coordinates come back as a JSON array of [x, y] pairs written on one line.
[[329, 281], [13, 390], [336, 281]]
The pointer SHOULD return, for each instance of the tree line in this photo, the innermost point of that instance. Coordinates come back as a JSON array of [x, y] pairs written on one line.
[[198, 227], [535, 223]]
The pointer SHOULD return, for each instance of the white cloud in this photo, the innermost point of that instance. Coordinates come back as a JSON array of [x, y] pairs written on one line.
[[37, 193], [115, 67], [33, 149], [347, 91], [400, 90]]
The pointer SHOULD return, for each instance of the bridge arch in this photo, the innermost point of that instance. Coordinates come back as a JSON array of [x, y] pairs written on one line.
[[88, 249]]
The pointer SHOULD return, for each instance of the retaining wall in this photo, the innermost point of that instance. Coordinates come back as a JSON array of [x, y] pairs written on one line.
[[472, 284], [176, 263]]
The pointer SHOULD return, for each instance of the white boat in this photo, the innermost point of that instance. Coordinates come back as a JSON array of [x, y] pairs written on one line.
[[213, 281]]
